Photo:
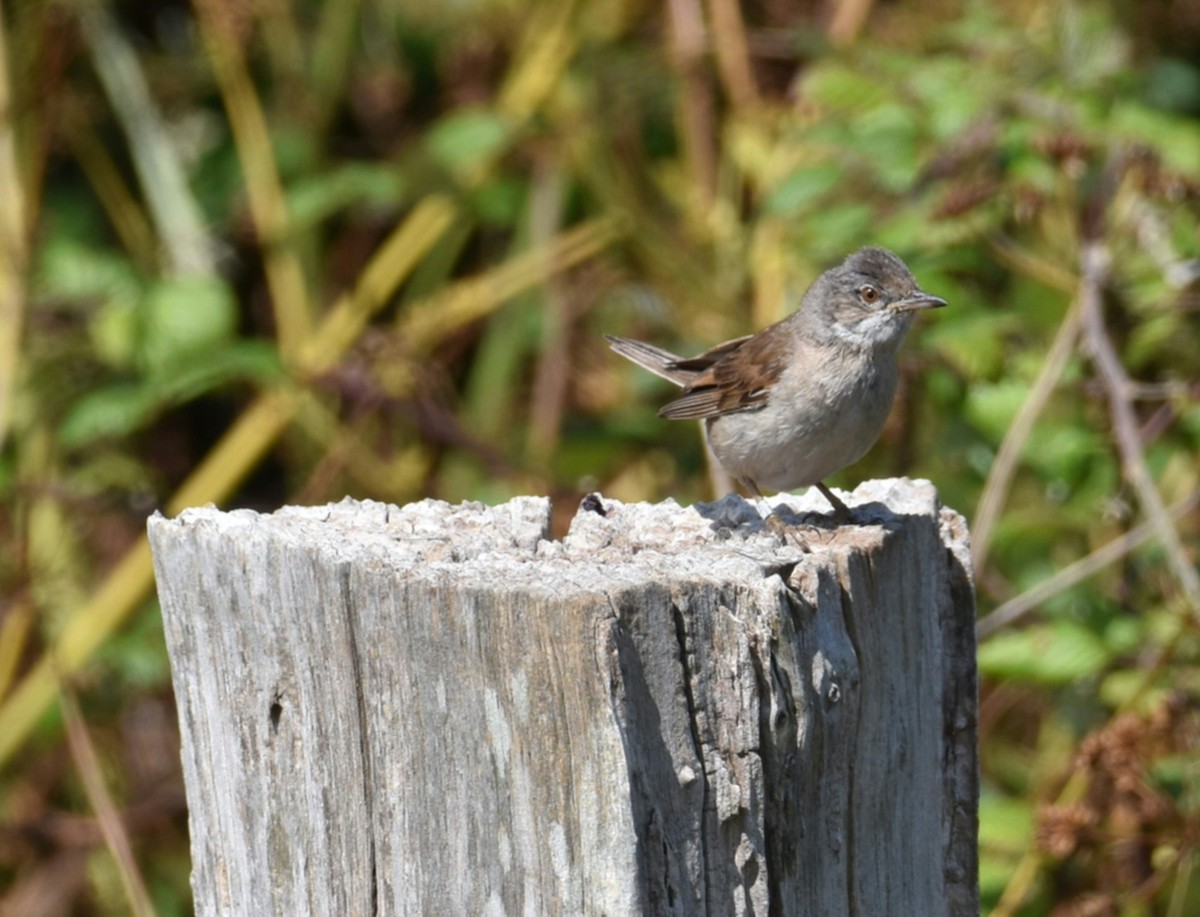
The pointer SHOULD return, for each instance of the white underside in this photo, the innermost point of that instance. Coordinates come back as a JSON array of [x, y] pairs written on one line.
[[814, 424]]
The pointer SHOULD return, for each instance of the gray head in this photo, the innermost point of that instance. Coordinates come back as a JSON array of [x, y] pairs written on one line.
[[867, 301]]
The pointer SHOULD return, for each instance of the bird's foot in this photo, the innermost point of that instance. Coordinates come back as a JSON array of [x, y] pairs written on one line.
[[842, 514], [785, 531]]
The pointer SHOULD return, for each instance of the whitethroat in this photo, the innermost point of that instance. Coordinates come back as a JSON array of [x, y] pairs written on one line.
[[803, 398]]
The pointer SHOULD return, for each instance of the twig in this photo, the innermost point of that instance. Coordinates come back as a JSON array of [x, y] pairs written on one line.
[[1044, 270], [1080, 570], [116, 838], [291, 303], [14, 246], [1094, 262], [430, 320], [1000, 476], [697, 118], [126, 215], [174, 210], [16, 625], [733, 57], [552, 374], [848, 19]]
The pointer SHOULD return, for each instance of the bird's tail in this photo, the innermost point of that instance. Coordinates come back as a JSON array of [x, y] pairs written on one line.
[[655, 359]]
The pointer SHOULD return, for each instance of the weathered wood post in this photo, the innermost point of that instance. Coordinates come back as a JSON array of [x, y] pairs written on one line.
[[435, 709]]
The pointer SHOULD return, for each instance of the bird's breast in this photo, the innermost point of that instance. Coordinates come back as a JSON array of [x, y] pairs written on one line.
[[823, 413]]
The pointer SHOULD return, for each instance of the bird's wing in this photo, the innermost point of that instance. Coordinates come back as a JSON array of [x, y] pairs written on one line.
[[737, 378], [703, 361]]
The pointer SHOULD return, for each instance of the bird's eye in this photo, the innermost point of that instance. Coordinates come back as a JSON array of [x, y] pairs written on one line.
[[868, 294]]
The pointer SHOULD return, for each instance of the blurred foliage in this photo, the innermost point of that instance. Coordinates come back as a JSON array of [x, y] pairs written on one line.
[[258, 253]]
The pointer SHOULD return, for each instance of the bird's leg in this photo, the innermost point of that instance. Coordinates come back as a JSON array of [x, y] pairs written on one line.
[[772, 520], [841, 511], [764, 508]]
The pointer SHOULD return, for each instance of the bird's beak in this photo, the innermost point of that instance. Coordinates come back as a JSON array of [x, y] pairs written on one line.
[[917, 301]]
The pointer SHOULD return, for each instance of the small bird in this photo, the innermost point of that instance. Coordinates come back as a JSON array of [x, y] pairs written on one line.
[[803, 398]]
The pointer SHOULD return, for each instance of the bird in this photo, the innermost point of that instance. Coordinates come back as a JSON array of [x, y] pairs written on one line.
[[798, 401]]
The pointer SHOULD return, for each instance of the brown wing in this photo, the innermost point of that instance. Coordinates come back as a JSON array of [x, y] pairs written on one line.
[[734, 376], [703, 361]]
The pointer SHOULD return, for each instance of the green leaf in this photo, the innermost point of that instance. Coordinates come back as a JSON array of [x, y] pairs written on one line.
[[1005, 829], [109, 412], [887, 137], [114, 331], [991, 406], [833, 231], [1176, 139], [182, 315], [120, 409], [1050, 654], [1004, 823], [802, 189], [1174, 85], [499, 202], [950, 93], [1121, 688], [974, 342], [137, 654], [841, 88], [70, 269], [1064, 451], [202, 372], [317, 197], [465, 140]]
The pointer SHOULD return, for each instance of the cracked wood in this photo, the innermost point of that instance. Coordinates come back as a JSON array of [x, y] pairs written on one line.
[[438, 709]]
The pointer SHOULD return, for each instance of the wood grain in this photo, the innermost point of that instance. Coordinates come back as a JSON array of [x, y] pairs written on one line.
[[437, 709]]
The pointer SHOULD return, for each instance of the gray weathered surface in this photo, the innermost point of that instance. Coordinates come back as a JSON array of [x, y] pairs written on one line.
[[434, 709]]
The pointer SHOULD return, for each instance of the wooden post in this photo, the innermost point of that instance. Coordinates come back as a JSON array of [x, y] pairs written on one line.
[[435, 709]]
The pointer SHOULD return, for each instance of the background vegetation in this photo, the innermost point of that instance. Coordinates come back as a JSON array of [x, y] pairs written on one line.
[[260, 251]]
